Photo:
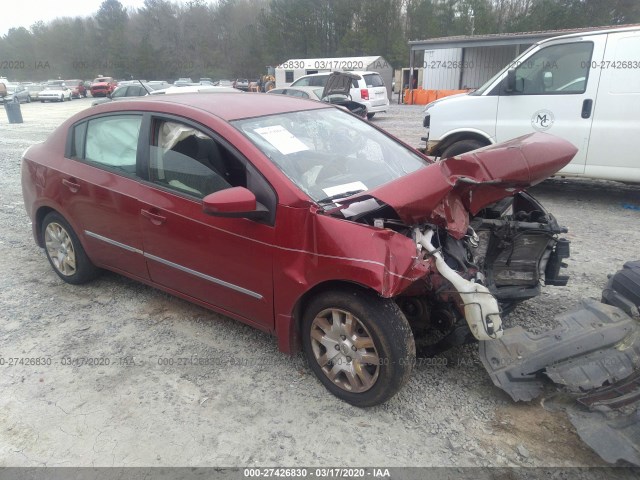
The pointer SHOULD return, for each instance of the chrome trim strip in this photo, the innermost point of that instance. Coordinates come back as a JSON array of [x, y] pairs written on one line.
[[204, 276], [113, 242]]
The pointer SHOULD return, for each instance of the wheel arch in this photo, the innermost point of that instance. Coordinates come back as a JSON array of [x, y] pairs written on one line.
[[289, 328], [454, 137]]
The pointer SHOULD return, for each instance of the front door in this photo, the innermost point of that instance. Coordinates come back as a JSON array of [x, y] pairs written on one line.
[[555, 93], [225, 262]]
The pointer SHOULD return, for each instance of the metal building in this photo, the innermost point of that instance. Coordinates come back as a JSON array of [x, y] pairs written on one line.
[[468, 61]]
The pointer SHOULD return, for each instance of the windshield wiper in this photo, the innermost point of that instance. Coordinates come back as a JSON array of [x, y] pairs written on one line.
[[339, 196]]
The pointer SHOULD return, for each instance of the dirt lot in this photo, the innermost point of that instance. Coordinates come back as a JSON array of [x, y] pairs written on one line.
[[253, 405]]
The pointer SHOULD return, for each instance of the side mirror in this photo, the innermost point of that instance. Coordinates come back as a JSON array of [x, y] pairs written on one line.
[[547, 79], [511, 81], [234, 202]]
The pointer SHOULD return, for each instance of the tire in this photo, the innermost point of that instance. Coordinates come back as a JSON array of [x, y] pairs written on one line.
[[64, 251], [28, 98], [460, 147], [385, 356], [61, 98], [269, 86], [370, 115], [41, 101]]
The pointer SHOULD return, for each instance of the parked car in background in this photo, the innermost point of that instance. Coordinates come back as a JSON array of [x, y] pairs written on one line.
[[298, 219], [368, 88], [157, 84], [336, 92], [223, 83], [183, 82], [103, 86], [34, 90], [196, 89], [206, 79], [241, 84], [55, 93], [78, 90], [17, 93], [125, 91]]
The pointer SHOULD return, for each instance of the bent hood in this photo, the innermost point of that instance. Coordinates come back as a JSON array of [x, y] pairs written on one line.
[[443, 192]]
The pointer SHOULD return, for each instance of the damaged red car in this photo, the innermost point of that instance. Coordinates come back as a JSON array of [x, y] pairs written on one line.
[[302, 220]]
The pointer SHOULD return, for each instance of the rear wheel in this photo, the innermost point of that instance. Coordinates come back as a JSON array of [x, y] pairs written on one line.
[[65, 252], [460, 147], [370, 115], [359, 345]]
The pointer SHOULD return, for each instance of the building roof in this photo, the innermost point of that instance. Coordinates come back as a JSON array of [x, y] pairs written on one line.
[[497, 39]]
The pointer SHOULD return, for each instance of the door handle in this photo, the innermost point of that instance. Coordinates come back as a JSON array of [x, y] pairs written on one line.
[[153, 217], [71, 184], [586, 108]]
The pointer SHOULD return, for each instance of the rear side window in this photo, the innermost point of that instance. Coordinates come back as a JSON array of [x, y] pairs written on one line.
[[112, 141], [373, 80]]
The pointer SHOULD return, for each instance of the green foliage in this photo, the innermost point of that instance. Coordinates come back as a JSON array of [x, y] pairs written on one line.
[[239, 38]]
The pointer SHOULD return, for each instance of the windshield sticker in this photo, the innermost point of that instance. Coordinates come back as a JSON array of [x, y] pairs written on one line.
[[282, 139], [347, 187]]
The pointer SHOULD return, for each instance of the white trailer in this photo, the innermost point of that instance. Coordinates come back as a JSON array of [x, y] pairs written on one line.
[[291, 70]]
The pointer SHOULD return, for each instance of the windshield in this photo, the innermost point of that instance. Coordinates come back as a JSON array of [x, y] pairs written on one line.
[[329, 154]]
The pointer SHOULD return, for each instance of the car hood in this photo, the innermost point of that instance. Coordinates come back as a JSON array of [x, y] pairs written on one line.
[[444, 192], [339, 83]]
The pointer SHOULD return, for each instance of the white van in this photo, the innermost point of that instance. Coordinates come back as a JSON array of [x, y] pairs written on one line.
[[583, 87]]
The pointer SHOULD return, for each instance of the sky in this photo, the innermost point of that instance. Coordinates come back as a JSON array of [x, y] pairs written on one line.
[[46, 10]]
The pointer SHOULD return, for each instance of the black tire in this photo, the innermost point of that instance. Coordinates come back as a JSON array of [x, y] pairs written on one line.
[[382, 363], [370, 115], [41, 101], [67, 245], [460, 147], [28, 98], [269, 86]]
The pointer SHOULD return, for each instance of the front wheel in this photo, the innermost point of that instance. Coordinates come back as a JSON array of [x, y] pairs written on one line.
[[460, 147], [65, 252], [359, 345]]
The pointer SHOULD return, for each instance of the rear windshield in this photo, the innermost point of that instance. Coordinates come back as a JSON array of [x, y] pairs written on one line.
[[373, 80]]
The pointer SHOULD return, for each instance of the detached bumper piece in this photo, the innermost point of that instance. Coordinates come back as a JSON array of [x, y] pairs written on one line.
[[594, 345], [594, 357]]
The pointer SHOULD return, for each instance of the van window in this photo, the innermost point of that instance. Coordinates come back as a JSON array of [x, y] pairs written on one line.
[[373, 80], [288, 76], [557, 69]]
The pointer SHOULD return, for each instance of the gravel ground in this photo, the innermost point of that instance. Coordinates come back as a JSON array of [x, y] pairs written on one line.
[[253, 405]]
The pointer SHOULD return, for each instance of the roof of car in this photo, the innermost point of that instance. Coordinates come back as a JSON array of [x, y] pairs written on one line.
[[228, 106], [357, 72]]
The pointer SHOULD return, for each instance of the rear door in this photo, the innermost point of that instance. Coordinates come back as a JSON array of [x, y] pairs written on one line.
[[377, 90], [99, 191], [555, 93], [613, 151]]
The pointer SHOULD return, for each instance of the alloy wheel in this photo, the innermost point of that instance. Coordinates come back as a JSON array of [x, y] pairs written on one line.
[[344, 350]]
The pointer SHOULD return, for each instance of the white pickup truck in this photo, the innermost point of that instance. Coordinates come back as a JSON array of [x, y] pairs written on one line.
[[583, 87]]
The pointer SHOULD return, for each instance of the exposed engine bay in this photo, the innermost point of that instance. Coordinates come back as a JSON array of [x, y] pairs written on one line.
[[510, 249]]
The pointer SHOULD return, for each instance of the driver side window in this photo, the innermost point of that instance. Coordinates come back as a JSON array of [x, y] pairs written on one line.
[[557, 69], [189, 161]]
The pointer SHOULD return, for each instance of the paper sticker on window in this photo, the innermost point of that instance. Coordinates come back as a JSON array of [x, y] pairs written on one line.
[[282, 139], [345, 188]]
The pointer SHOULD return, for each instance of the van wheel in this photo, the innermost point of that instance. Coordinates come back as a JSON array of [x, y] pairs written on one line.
[[359, 345], [460, 147], [370, 115], [65, 252]]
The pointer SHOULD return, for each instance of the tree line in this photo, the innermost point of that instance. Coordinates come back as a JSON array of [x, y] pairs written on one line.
[[239, 38]]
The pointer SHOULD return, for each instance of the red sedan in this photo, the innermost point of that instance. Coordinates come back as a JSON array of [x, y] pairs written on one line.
[[302, 220]]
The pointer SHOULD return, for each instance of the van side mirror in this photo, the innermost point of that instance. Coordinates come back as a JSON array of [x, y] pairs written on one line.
[[511, 81], [547, 79]]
